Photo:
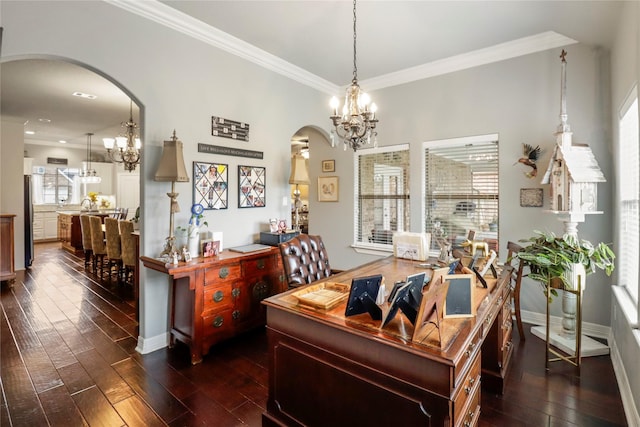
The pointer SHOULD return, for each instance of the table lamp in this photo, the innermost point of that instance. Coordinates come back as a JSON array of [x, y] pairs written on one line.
[[299, 175], [172, 168]]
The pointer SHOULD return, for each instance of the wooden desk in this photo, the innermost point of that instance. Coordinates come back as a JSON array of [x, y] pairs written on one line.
[[328, 370], [218, 297]]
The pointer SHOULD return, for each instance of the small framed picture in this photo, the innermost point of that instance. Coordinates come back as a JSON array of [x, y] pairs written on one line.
[[328, 188], [531, 197], [328, 166], [459, 301], [210, 247], [187, 256]]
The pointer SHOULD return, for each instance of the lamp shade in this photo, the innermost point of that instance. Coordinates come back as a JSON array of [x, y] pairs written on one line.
[[299, 174], [171, 167]]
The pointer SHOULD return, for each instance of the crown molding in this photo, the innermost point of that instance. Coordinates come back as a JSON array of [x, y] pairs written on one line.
[[188, 25], [499, 52]]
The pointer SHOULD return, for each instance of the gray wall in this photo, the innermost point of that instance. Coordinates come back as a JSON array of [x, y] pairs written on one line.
[[179, 83], [518, 99], [625, 72]]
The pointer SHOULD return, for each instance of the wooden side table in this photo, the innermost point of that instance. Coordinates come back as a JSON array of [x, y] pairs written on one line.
[[7, 255]]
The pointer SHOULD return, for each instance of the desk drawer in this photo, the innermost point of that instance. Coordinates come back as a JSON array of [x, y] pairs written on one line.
[[467, 389], [471, 414], [218, 297], [218, 323], [222, 274], [468, 357], [259, 265]]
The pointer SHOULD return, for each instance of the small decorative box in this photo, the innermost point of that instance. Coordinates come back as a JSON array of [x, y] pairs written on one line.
[[274, 239]]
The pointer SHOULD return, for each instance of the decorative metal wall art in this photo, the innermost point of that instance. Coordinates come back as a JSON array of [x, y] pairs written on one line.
[[232, 129]]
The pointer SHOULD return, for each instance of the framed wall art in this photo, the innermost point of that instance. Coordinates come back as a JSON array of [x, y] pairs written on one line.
[[531, 197], [210, 182], [328, 166], [328, 188], [252, 183]]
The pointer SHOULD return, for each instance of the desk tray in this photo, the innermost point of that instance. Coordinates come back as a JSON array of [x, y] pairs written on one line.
[[324, 296]]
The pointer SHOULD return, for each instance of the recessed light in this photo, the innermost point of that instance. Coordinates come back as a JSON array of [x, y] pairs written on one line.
[[29, 132], [44, 120], [84, 95], [62, 141]]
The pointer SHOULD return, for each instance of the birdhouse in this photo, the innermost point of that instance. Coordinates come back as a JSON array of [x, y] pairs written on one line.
[[573, 171], [573, 174]]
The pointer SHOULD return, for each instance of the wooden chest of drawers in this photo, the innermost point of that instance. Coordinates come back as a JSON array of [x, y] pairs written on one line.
[[217, 298]]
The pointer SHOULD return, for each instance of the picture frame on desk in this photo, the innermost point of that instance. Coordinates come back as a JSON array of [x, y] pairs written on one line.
[[210, 247], [459, 301]]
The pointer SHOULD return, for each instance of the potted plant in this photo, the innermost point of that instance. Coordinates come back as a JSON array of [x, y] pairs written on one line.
[[136, 219], [559, 263], [552, 258]]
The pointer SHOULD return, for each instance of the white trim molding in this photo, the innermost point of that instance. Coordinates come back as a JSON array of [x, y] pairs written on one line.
[[148, 345]]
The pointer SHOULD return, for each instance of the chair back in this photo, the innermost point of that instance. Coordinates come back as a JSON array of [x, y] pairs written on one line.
[[112, 236], [86, 232], [305, 260], [516, 281], [128, 243], [97, 236], [123, 213]]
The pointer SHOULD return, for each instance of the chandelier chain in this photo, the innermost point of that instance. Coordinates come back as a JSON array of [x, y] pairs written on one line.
[[355, 66]]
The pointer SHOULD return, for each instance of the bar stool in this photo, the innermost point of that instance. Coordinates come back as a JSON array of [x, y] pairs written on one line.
[[114, 251], [85, 226], [97, 244], [128, 249]]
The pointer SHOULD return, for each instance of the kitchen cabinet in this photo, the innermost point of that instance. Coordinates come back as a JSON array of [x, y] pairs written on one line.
[[69, 232], [7, 255], [45, 226]]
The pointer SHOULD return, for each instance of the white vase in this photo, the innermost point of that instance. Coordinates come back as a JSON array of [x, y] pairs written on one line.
[[193, 241], [569, 299]]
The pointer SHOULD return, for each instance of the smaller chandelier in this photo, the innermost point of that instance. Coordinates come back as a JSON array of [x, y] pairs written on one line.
[[356, 126], [127, 147], [88, 175]]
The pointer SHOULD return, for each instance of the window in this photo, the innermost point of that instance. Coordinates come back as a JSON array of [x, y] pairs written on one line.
[[381, 194], [628, 255], [461, 188], [55, 185]]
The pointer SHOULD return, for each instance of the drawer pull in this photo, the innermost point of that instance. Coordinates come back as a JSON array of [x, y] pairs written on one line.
[[235, 292], [224, 272], [235, 314], [470, 418], [468, 389], [260, 264], [218, 296], [218, 321], [470, 349]]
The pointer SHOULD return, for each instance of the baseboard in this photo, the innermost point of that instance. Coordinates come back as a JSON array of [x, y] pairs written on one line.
[[147, 345], [589, 329], [630, 409]]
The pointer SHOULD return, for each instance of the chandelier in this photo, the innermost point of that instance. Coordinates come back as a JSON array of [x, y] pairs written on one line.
[[127, 147], [356, 126], [89, 175]]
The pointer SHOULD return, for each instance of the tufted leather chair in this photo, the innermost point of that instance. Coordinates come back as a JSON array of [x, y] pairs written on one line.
[[305, 260]]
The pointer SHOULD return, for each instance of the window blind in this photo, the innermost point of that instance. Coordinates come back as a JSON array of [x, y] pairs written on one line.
[[461, 189], [629, 215], [381, 194]]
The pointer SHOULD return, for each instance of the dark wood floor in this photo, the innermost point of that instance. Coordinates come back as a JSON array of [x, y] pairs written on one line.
[[68, 358]]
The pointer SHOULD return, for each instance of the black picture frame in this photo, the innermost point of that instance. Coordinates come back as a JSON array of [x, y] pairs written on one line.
[[211, 185], [459, 301], [252, 186]]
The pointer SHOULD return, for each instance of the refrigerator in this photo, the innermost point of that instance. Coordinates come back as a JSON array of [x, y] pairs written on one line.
[[28, 221]]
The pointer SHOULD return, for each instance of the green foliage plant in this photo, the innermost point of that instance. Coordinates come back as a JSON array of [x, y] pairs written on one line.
[[549, 257]]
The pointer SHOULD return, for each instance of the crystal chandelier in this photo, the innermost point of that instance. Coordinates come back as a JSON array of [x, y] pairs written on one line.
[[89, 175], [128, 146], [356, 126]]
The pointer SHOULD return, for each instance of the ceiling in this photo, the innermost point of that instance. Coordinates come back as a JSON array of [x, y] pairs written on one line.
[[312, 41]]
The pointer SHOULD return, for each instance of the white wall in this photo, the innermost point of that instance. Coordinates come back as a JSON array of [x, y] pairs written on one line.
[[40, 153], [179, 83]]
